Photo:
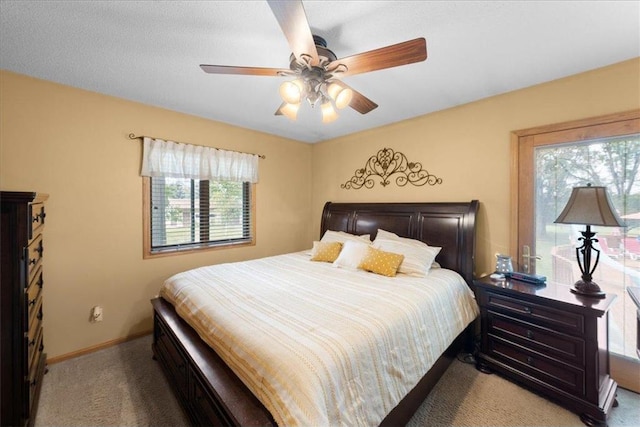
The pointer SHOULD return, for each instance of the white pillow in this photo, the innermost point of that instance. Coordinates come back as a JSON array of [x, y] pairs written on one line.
[[342, 237], [351, 255], [418, 256]]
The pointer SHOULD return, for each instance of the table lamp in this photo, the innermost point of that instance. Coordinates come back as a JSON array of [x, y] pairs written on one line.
[[589, 206]]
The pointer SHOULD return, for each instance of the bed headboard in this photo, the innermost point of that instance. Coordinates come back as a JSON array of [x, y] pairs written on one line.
[[452, 226]]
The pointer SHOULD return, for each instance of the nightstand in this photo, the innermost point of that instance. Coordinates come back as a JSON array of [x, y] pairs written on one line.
[[550, 340]]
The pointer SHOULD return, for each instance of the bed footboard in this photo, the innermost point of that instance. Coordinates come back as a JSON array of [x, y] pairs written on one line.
[[209, 392]]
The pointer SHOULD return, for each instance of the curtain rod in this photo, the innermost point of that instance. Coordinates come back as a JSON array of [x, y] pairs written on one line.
[[134, 136]]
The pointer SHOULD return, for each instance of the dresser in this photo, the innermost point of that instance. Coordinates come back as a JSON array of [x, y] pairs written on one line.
[[549, 340], [22, 357]]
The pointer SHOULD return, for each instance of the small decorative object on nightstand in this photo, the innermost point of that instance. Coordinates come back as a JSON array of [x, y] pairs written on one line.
[[551, 340], [589, 206]]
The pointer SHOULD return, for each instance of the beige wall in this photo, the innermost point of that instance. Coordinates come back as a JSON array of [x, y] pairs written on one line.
[[469, 148], [73, 145]]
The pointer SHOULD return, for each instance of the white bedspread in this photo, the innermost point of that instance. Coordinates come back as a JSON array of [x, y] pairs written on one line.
[[319, 345]]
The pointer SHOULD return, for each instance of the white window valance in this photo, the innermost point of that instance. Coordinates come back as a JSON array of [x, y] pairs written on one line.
[[178, 160]]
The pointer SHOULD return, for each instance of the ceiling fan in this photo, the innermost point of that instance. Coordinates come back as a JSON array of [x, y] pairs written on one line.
[[316, 70]]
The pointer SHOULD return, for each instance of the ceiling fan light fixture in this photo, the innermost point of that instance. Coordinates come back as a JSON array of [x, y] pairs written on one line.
[[341, 95], [290, 110], [328, 112], [291, 92]]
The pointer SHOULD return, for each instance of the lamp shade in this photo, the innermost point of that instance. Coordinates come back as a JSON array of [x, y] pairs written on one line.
[[590, 205]]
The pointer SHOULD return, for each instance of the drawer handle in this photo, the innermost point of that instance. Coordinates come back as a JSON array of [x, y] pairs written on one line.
[[38, 217], [39, 316], [32, 342], [530, 360], [33, 383], [32, 302], [40, 281], [39, 249], [32, 261], [530, 334]]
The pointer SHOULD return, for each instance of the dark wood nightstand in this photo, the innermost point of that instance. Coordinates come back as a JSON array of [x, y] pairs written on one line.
[[551, 340]]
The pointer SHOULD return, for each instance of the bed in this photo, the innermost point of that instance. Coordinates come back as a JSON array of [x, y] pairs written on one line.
[[210, 391]]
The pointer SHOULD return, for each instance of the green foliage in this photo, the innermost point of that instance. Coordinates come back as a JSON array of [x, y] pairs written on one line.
[[613, 163]]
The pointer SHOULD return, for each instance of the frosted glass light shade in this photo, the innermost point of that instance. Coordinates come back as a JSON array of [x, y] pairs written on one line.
[[291, 92], [290, 110], [341, 95], [328, 113]]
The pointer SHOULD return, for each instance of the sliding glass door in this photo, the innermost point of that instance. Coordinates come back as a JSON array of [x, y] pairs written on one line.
[[603, 152]]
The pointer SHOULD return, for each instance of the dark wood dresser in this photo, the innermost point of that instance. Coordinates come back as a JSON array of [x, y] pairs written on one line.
[[550, 340], [21, 347]]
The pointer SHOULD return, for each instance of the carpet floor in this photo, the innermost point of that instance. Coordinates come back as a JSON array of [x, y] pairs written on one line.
[[123, 386]]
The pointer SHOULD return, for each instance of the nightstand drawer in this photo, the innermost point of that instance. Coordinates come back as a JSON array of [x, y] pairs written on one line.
[[550, 371], [537, 338], [534, 313]]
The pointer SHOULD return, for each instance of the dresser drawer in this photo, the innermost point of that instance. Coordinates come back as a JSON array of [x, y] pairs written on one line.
[[35, 331], [32, 293], [534, 313], [539, 339], [34, 379], [550, 371], [33, 257], [36, 219]]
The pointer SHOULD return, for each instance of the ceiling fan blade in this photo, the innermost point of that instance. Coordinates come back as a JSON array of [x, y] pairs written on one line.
[[359, 102], [246, 71], [293, 22], [386, 57]]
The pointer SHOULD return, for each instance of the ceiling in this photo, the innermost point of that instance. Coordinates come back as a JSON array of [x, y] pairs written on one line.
[[150, 52]]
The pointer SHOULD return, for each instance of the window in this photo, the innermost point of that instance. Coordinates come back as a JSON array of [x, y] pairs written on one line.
[[196, 197], [184, 214]]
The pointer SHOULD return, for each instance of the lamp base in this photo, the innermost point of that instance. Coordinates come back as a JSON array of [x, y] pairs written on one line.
[[589, 289]]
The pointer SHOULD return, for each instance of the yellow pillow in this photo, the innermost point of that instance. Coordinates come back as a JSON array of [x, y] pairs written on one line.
[[325, 251], [381, 262]]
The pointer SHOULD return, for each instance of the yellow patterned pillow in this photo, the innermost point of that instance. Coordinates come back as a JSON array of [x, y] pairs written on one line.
[[381, 262], [325, 251]]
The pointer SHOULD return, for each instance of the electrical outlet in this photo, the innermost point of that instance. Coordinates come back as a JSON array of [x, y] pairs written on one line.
[[96, 314]]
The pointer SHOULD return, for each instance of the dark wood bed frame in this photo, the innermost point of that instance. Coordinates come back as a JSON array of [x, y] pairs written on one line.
[[211, 394]]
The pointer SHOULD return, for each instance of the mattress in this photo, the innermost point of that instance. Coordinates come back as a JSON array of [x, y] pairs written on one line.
[[320, 345]]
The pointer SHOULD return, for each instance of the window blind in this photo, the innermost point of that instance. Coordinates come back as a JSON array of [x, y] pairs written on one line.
[[187, 213]]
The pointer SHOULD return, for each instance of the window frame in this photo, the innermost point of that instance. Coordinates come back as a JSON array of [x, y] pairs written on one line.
[[147, 250], [523, 143]]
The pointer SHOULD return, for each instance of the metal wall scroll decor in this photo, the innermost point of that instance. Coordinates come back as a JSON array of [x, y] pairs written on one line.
[[390, 164]]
